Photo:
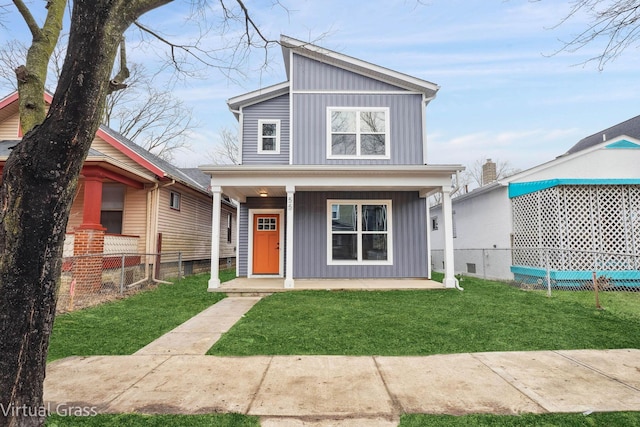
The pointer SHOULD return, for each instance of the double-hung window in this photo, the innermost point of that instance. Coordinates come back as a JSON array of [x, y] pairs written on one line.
[[357, 132], [359, 232], [269, 136]]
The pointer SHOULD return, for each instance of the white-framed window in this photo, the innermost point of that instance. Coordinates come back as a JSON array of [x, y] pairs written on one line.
[[434, 223], [229, 227], [357, 133], [359, 232], [269, 136], [174, 200]]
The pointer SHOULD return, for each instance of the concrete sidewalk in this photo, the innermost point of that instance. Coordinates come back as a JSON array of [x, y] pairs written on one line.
[[172, 375]]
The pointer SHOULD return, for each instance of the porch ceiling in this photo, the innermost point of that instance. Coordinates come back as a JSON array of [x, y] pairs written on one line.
[[240, 182]]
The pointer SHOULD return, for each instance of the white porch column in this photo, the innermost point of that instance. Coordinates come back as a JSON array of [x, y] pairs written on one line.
[[288, 277], [428, 219], [450, 280], [214, 281]]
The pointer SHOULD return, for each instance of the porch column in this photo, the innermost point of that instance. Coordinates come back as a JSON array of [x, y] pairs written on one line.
[[428, 219], [450, 280], [288, 277], [214, 281]]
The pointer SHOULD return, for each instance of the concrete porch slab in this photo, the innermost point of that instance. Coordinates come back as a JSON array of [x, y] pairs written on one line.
[[260, 286]]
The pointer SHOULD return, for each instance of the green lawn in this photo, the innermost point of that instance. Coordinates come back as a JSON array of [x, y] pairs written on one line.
[[125, 326], [486, 316], [609, 419], [136, 420]]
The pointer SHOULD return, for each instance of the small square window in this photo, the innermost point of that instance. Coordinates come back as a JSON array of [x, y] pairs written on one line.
[[174, 201], [269, 136]]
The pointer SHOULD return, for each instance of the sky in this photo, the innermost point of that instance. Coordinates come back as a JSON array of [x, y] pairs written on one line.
[[506, 93]]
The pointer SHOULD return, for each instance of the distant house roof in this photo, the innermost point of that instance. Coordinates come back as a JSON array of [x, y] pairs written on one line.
[[629, 127]]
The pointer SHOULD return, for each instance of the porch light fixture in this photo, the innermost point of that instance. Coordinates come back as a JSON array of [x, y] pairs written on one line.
[[263, 194]]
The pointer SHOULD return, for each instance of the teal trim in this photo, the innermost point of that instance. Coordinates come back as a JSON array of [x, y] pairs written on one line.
[[623, 143], [521, 188], [574, 278]]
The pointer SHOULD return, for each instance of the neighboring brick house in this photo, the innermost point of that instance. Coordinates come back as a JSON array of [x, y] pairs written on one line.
[[333, 178], [130, 201]]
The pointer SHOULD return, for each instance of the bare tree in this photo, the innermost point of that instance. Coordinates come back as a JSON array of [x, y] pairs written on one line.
[[155, 120], [41, 175], [615, 23], [227, 150]]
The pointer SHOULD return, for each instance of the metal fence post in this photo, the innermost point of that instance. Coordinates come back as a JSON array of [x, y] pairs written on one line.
[[122, 275], [179, 265]]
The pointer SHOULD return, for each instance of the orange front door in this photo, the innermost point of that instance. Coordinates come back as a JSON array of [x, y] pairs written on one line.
[[266, 244]]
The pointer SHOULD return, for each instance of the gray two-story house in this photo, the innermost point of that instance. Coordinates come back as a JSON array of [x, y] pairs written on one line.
[[333, 178]]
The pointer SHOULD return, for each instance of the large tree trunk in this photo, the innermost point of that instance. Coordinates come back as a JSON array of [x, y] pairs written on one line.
[[39, 183]]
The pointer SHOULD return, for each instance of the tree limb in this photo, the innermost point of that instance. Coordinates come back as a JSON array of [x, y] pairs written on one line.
[[36, 32]]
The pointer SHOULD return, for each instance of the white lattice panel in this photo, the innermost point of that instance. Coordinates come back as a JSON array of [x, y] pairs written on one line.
[[585, 227], [116, 244]]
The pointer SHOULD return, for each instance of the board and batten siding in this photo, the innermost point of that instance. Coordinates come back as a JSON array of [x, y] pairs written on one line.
[[309, 74], [310, 129], [187, 230], [243, 217], [409, 228], [272, 109]]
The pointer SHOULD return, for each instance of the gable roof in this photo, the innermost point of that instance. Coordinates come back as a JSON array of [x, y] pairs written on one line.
[[149, 161], [629, 127], [355, 65], [336, 59]]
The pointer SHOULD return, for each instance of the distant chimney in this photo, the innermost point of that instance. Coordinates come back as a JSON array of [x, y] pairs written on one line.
[[489, 172]]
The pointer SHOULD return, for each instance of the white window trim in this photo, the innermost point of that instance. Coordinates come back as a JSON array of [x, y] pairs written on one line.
[[358, 155], [359, 261], [177, 197], [277, 137]]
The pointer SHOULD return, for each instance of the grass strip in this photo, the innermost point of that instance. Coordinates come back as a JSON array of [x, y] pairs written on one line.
[[136, 420], [604, 419], [124, 326], [486, 316]]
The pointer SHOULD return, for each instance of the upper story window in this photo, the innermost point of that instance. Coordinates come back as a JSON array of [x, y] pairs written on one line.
[[269, 136], [357, 133], [174, 200]]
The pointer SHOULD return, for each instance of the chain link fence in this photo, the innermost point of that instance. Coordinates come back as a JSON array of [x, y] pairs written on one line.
[[548, 268], [89, 280]]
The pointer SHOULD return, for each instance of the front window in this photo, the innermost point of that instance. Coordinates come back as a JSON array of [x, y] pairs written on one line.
[[269, 136], [356, 132], [112, 207], [359, 232]]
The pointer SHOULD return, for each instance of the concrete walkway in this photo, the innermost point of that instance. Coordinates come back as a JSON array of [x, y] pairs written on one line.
[[172, 375]]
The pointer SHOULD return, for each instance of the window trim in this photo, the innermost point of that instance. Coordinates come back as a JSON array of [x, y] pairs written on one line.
[[229, 227], [358, 110], [276, 149], [359, 233], [174, 195]]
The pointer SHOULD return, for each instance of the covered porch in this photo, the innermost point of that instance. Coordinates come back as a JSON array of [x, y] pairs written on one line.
[[290, 188]]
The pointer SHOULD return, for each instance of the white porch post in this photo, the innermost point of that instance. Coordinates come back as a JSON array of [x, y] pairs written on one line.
[[428, 219], [450, 280], [288, 277], [214, 281]]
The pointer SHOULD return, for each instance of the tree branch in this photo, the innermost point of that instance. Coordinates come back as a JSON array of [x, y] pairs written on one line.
[[34, 28]]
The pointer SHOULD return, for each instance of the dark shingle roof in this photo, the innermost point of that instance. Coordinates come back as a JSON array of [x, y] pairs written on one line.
[[171, 170], [629, 127]]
